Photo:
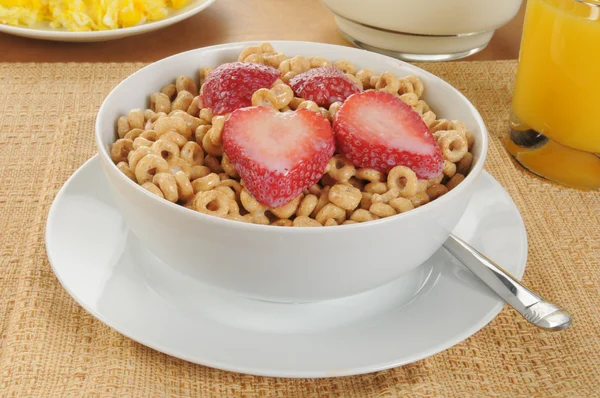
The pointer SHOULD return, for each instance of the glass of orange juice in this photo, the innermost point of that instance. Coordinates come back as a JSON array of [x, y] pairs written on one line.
[[555, 121]]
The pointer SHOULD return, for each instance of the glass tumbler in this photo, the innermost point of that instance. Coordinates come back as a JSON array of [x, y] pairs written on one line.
[[555, 120]]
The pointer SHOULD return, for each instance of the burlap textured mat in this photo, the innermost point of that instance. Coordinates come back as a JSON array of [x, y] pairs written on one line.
[[51, 347]]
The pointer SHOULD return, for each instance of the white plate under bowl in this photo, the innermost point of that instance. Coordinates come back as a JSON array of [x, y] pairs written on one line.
[[107, 271], [43, 30]]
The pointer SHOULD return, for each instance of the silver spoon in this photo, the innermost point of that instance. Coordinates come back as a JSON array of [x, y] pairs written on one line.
[[536, 310]]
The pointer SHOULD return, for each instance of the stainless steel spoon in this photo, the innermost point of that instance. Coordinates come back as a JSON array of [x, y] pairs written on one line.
[[536, 310]]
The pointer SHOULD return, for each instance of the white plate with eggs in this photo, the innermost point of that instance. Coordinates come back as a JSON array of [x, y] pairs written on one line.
[[43, 30]]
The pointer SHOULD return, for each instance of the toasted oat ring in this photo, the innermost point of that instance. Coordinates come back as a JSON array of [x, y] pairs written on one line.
[[136, 155], [160, 102], [250, 204], [264, 97], [403, 180], [184, 186], [388, 82], [168, 186], [307, 205], [304, 221], [120, 149], [172, 123], [287, 210], [340, 169], [453, 145], [345, 196], [206, 183], [192, 153], [148, 166], [168, 150], [213, 203]]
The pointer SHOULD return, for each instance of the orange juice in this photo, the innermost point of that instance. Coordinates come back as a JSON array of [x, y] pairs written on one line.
[[557, 92]]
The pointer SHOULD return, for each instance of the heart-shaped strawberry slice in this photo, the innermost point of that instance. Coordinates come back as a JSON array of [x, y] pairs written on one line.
[[278, 154]]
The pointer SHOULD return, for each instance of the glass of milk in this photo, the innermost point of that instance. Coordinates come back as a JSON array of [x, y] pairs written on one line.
[[422, 30]]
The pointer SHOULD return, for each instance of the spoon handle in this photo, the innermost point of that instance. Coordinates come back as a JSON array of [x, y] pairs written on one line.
[[536, 310]]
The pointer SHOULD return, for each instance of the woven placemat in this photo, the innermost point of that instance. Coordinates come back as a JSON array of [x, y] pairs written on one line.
[[50, 347]]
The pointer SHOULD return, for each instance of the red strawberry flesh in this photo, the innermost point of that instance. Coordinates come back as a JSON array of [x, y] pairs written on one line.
[[278, 154], [230, 86], [324, 85], [377, 130]]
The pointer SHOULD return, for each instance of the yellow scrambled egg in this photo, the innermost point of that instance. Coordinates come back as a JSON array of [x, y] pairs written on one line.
[[85, 15]]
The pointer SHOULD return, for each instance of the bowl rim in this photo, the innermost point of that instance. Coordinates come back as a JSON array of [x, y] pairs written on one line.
[[474, 173]]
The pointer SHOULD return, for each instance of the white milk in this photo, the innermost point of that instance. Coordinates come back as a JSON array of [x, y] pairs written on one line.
[[423, 29]]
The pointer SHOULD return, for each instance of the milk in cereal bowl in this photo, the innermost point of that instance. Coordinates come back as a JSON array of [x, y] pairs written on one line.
[[290, 171]]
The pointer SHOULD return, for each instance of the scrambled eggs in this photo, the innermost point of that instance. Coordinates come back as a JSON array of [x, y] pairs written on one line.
[[85, 15]]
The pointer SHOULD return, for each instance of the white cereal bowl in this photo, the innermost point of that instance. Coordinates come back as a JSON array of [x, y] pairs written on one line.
[[277, 263]]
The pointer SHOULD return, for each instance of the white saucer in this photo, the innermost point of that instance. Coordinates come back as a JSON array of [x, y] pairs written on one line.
[[106, 270]]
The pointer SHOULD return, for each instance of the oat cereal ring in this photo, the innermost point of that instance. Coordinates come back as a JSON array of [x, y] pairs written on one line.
[[195, 106], [159, 102], [178, 164], [150, 135], [213, 203], [186, 83], [449, 168], [429, 118], [287, 76], [174, 137], [422, 185], [171, 123], [419, 199], [284, 222], [310, 105], [148, 186], [299, 64], [135, 118], [169, 90], [214, 164], [307, 205], [454, 181], [168, 150], [373, 82], [206, 183], [345, 196], [409, 99], [148, 166], [401, 205], [156, 116], [295, 102], [287, 210], [200, 132], [184, 186], [377, 187], [317, 62], [385, 197], [274, 59], [122, 126], [382, 210], [227, 191], [264, 97], [348, 222], [206, 114], [364, 75], [417, 85], [233, 184], [345, 66], [362, 215], [168, 186], [354, 80], [120, 149], [453, 145], [315, 189], [333, 108], [445, 124], [148, 114], [470, 139], [134, 133], [192, 153], [340, 169], [203, 74], [198, 172], [257, 218], [183, 101], [228, 167], [388, 82], [141, 141], [209, 147], [303, 221], [331, 211], [191, 121], [366, 201], [216, 131], [435, 191], [125, 169], [403, 180], [136, 155], [250, 204], [284, 95], [421, 107], [322, 201], [464, 165], [370, 175]]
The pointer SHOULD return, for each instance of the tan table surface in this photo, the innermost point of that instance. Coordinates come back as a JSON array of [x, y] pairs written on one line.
[[223, 22]]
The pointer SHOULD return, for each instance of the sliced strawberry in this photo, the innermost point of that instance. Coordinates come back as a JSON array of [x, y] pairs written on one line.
[[278, 154], [379, 131], [324, 85], [230, 86]]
